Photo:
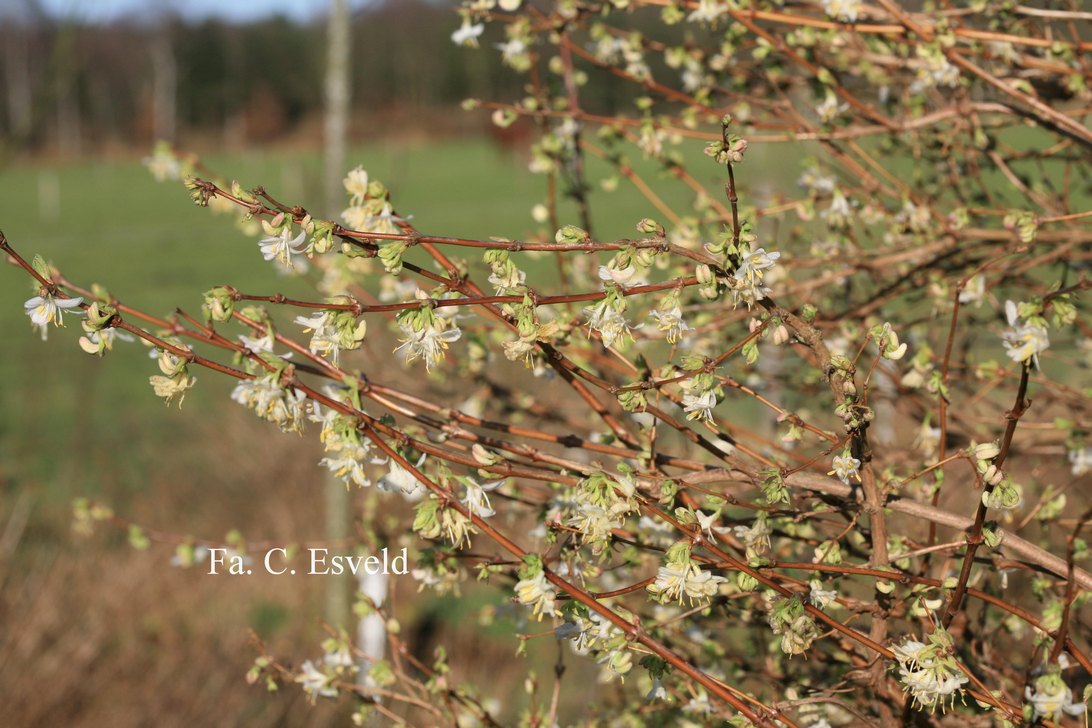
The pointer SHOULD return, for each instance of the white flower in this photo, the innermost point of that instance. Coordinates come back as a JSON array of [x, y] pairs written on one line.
[[608, 321], [830, 109], [1024, 341], [356, 184], [48, 309], [324, 339], [349, 463], [429, 343], [260, 344], [974, 291], [928, 672], [844, 10], [845, 467], [477, 502], [753, 264], [671, 322], [747, 284], [272, 402], [538, 593], [621, 277], [400, 480], [513, 50], [1081, 460], [315, 682], [837, 215], [699, 406], [708, 11], [1052, 697], [818, 597], [282, 246], [468, 34]]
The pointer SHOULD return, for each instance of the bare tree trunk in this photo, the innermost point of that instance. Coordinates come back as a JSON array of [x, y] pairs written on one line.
[[337, 102], [338, 502]]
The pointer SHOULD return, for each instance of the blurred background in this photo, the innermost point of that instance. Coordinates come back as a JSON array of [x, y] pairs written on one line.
[[91, 631]]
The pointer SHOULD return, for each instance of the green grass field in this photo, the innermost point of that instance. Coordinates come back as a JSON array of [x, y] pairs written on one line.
[[111, 223]]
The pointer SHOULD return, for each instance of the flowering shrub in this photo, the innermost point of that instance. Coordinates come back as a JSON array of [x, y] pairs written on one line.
[[784, 457]]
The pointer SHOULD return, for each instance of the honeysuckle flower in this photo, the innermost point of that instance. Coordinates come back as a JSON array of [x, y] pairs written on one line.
[[259, 344], [699, 406], [843, 10], [820, 597], [974, 291], [754, 263], [468, 34], [813, 179], [172, 388], [96, 342], [537, 593], [621, 277], [1080, 460], [400, 480], [658, 691], [347, 462], [928, 672], [1051, 697], [708, 11], [356, 184], [673, 582], [324, 340], [48, 309], [272, 402], [1024, 341], [476, 501], [513, 52], [315, 682], [606, 318], [837, 215], [830, 109], [846, 467], [162, 164], [670, 321], [755, 537], [281, 246], [428, 344]]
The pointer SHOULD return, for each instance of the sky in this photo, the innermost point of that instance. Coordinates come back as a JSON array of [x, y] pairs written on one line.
[[98, 11]]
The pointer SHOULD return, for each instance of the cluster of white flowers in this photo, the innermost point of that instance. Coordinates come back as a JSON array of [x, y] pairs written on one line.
[[606, 318], [319, 680], [928, 672], [347, 451], [678, 580], [669, 319], [846, 467], [426, 336], [272, 402], [1024, 340], [830, 109], [747, 284], [846, 11], [537, 593], [176, 380], [332, 331], [789, 619], [708, 11], [600, 504]]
